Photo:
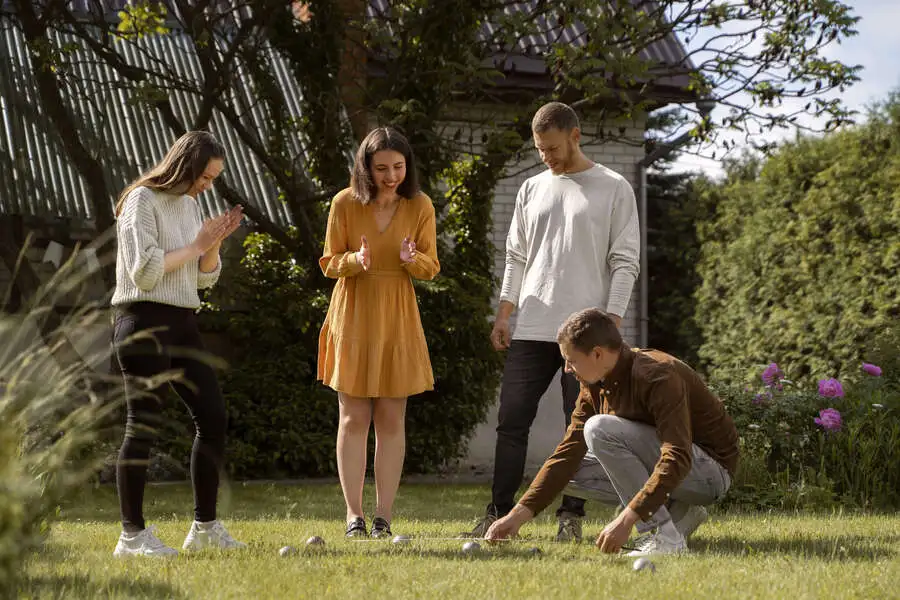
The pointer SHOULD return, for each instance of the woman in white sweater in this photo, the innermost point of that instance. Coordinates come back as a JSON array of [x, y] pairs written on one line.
[[166, 253]]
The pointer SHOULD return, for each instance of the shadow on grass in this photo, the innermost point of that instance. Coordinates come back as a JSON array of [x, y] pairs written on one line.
[[82, 586], [852, 547], [436, 503], [489, 554]]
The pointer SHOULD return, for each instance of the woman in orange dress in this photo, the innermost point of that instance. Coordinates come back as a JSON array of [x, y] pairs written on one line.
[[372, 350]]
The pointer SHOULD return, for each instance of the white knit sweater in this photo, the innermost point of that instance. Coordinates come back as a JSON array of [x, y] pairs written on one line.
[[573, 243], [150, 225]]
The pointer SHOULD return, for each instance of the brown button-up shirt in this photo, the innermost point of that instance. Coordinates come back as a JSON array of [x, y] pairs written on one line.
[[649, 387]]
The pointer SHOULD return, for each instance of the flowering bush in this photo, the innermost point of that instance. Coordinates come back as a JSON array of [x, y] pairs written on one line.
[[801, 448]]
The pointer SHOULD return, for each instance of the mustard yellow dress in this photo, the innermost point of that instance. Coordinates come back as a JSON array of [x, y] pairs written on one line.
[[372, 343]]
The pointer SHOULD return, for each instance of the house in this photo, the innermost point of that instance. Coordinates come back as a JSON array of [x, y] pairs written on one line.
[[40, 192]]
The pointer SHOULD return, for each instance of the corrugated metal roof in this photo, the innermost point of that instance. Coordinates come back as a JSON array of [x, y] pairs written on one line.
[[37, 178], [525, 56]]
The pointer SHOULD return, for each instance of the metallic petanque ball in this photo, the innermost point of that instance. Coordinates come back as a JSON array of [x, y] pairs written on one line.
[[287, 551], [535, 551], [400, 539], [471, 548], [315, 541], [644, 564]]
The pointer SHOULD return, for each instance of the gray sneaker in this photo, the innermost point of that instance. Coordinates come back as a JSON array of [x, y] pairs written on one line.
[[569, 528], [483, 525]]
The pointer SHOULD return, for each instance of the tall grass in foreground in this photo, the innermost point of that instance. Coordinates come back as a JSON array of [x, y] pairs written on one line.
[[55, 394]]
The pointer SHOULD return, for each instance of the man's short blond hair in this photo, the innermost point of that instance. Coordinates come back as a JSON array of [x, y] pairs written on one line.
[[554, 115]]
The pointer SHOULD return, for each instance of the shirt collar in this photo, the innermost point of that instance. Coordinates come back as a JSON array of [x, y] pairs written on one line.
[[620, 372]]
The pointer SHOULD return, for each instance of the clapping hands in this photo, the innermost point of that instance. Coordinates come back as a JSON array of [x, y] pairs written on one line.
[[407, 250], [364, 256], [215, 230]]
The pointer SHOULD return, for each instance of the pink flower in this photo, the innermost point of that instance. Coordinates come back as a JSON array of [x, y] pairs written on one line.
[[762, 397], [873, 370], [831, 388], [772, 375], [829, 419]]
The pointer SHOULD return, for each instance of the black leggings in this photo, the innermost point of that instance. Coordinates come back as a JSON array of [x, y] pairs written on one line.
[[175, 346]]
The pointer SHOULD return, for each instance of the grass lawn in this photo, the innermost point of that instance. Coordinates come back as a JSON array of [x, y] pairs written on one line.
[[733, 556]]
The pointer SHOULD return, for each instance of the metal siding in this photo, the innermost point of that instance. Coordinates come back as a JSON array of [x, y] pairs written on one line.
[[126, 139]]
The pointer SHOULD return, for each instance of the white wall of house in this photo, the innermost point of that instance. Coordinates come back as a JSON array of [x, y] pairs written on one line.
[[549, 424]]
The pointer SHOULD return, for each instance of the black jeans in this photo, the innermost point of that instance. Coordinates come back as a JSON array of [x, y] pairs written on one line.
[[527, 373], [175, 346]]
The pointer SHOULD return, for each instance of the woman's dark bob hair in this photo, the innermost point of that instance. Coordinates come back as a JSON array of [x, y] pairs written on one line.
[[383, 138]]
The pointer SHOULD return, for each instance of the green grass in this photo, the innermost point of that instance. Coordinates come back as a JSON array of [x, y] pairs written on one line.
[[733, 556]]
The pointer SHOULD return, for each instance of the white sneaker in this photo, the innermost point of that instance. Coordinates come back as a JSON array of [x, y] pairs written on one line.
[[692, 519], [660, 543], [210, 535], [142, 543]]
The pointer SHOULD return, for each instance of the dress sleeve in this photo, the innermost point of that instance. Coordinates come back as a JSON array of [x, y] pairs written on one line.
[[425, 264], [338, 258]]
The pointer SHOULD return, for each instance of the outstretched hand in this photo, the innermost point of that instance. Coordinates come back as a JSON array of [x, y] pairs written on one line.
[[616, 533]]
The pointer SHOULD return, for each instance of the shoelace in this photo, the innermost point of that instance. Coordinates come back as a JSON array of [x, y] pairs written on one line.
[[649, 544]]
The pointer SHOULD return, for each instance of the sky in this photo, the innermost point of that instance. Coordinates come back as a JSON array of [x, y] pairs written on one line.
[[876, 47]]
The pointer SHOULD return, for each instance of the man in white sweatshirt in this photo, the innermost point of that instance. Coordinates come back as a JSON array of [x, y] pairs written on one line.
[[573, 243]]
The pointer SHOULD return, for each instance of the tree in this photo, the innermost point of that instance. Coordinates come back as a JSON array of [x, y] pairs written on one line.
[[800, 257], [673, 213], [424, 61]]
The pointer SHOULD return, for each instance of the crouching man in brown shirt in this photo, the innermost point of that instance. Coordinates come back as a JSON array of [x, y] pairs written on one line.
[[646, 434]]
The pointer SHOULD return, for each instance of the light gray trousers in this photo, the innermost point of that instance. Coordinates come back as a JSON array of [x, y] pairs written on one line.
[[621, 456]]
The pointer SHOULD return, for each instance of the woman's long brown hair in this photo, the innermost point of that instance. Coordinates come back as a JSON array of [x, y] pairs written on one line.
[[183, 164]]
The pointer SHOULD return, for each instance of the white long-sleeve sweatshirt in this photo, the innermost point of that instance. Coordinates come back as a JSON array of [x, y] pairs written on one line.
[[151, 224], [573, 243]]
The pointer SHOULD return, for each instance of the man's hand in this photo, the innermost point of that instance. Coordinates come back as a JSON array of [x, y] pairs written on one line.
[[500, 334], [508, 526], [616, 533]]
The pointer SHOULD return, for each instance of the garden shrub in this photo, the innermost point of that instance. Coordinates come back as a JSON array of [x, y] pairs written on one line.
[[801, 257], [282, 422], [50, 409], [816, 448]]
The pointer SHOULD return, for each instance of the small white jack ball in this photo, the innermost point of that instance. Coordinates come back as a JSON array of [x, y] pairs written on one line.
[[470, 548], [644, 564], [315, 541], [400, 539], [287, 551]]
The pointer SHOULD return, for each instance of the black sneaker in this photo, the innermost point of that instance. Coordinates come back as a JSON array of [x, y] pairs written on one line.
[[380, 528], [484, 524], [356, 528]]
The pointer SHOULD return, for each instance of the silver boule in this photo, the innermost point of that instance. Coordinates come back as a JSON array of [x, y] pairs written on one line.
[[287, 551], [471, 547], [315, 541], [644, 564]]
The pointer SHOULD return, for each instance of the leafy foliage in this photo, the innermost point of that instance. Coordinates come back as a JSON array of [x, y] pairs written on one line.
[[51, 410], [801, 262]]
